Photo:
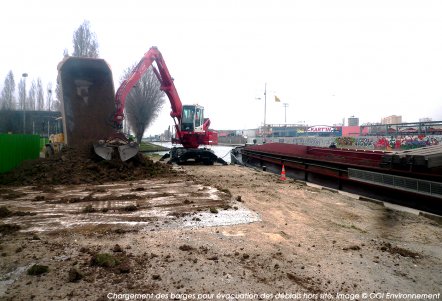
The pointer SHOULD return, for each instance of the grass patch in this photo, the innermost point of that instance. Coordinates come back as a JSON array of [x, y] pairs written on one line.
[[154, 156], [105, 260], [149, 147]]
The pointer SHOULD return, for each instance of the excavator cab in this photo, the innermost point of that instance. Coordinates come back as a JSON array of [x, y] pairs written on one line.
[[192, 118]]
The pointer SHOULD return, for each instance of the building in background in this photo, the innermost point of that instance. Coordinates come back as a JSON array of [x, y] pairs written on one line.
[[167, 135], [393, 119], [43, 123], [353, 121], [425, 119]]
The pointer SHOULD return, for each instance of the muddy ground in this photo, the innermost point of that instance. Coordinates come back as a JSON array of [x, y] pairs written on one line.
[[210, 233], [82, 166]]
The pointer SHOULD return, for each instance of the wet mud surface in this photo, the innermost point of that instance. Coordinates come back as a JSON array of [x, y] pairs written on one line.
[[206, 231], [128, 206]]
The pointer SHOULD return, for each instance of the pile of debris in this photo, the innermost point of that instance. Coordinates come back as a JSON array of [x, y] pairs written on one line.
[[82, 166]]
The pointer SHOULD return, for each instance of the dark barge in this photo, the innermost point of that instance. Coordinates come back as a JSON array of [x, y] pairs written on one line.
[[412, 178]]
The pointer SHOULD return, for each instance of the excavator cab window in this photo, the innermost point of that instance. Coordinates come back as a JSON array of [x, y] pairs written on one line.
[[188, 120], [198, 117]]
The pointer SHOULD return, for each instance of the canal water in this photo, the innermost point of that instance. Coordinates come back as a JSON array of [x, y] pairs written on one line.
[[221, 151]]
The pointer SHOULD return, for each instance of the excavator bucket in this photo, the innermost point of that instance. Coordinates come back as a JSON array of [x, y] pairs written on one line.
[[103, 151], [128, 151], [116, 144], [88, 104]]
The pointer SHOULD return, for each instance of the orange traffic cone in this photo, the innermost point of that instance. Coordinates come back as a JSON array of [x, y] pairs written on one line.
[[283, 178]]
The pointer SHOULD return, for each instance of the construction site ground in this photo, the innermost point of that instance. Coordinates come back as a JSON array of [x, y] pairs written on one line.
[[211, 233]]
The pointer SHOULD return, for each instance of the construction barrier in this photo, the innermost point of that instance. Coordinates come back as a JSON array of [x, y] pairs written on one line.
[[16, 148]]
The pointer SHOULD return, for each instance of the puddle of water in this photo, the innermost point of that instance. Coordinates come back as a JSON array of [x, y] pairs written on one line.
[[223, 218]]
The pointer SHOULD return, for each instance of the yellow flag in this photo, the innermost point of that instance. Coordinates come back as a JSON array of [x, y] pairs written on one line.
[[277, 99]]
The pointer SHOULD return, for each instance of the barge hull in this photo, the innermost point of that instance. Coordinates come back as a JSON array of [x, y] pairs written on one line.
[[358, 172]]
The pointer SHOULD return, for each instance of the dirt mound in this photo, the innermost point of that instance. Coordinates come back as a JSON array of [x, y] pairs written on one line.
[[82, 166]]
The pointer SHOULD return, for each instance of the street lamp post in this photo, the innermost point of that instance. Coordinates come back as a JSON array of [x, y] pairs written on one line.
[[265, 103], [49, 99], [285, 105], [265, 107], [24, 75]]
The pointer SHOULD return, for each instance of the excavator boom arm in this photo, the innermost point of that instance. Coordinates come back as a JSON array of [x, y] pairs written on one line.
[[190, 131], [163, 75]]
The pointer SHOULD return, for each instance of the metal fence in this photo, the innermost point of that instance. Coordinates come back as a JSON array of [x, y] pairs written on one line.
[[17, 148], [402, 183]]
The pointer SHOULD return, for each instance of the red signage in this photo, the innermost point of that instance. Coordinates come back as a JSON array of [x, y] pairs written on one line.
[[320, 129]]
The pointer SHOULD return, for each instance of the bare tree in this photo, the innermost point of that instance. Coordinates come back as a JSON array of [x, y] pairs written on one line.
[[49, 97], [144, 102], [21, 94], [7, 96], [85, 45], [40, 95], [56, 103], [32, 96], [85, 41]]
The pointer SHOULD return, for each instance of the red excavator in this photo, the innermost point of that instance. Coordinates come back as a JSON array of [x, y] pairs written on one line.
[[191, 128]]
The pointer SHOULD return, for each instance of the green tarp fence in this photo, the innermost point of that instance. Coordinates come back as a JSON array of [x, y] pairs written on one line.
[[15, 149], [43, 142]]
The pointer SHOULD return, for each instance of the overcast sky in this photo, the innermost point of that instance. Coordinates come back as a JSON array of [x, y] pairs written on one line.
[[328, 60]]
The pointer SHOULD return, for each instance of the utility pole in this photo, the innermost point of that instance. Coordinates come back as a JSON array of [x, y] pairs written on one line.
[[24, 75], [265, 103], [265, 107], [285, 105]]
